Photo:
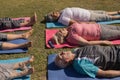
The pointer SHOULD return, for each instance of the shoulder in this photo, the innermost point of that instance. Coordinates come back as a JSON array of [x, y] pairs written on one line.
[[79, 64], [86, 67], [75, 24], [66, 8]]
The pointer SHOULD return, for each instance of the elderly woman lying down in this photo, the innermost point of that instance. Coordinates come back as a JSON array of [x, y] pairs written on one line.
[[70, 15], [87, 34]]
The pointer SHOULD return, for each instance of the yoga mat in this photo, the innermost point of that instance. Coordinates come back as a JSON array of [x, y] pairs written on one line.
[[56, 24], [55, 73], [27, 77], [51, 32], [11, 51], [49, 35], [18, 29]]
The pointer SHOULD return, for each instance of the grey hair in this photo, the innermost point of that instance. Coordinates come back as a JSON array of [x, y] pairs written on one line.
[[49, 18], [59, 62]]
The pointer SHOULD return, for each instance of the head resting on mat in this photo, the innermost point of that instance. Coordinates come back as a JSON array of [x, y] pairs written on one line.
[[60, 36], [52, 16], [64, 59]]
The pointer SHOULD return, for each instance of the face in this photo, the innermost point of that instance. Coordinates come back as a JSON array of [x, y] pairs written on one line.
[[55, 15], [66, 57]]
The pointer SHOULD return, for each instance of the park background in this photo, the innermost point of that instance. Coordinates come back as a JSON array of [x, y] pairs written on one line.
[[23, 8]]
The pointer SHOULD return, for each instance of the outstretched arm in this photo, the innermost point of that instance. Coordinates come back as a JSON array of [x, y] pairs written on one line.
[[108, 73], [73, 21], [82, 41]]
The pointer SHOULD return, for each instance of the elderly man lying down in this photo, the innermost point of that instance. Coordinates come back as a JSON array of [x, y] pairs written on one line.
[[96, 60]]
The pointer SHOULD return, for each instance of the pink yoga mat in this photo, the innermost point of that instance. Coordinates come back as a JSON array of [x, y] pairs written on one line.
[[18, 29], [51, 32]]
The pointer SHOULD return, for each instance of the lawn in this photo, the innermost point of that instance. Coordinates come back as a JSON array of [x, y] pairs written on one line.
[[21, 8]]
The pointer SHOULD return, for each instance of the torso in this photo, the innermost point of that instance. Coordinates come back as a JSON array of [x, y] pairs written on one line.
[[87, 31], [77, 14], [104, 57]]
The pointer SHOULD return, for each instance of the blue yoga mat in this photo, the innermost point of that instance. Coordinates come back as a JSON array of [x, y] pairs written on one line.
[[17, 41], [27, 77], [56, 24], [55, 73]]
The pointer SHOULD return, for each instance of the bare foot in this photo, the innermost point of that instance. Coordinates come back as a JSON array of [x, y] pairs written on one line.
[[29, 61], [24, 65], [23, 73], [119, 12], [27, 34], [33, 19], [28, 44], [31, 70]]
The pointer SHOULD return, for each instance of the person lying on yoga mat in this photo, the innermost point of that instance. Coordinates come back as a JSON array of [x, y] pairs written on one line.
[[70, 15], [8, 71], [93, 61], [9, 23], [87, 34], [6, 45]]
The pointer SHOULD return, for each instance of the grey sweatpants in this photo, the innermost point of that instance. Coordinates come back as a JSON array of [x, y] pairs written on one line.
[[110, 32], [99, 15]]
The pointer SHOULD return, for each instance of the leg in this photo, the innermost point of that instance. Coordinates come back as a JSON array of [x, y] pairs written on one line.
[[32, 21], [98, 11], [105, 12], [119, 12], [15, 74], [6, 45], [8, 23], [110, 33], [115, 17], [112, 13], [18, 36], [99, 17], [113, 27], [23, 65], [102, 16]]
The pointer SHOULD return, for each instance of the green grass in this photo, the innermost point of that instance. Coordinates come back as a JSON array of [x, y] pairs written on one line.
[[20, 8]]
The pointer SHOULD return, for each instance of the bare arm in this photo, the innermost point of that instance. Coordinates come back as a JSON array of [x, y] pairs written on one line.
[[82, 41], [73, 21], [108, 73]]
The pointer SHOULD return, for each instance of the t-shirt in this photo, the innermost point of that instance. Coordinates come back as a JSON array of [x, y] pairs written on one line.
[[86, 67], [77, 14], [87, 31], [90, 58]]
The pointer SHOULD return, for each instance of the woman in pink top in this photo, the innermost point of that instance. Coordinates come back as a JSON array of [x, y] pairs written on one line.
[[87, 34]]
